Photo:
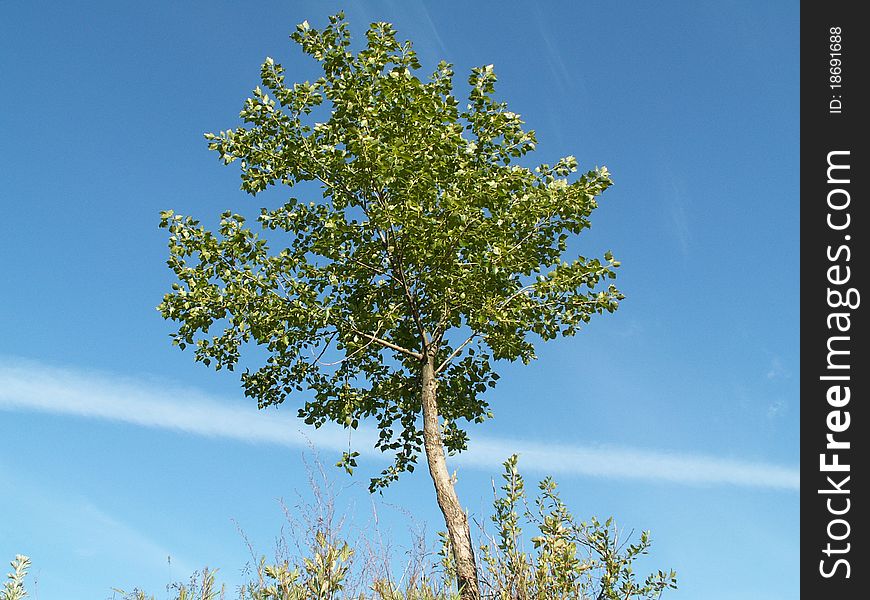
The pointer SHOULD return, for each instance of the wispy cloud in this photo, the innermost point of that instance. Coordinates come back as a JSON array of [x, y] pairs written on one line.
[[776, 408], [33, 386], [553, 55], [422, 14], [676, 205], [777, 369], [83, 530]]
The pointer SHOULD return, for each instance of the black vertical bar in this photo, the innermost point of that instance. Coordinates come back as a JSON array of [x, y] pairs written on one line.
[[834, 264]]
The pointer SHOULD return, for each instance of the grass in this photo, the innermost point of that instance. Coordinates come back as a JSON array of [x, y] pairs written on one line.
[[564, 559]]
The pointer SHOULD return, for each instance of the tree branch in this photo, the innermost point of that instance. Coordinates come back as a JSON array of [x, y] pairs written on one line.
[[387, 344], [372, 268], [351, 355], [326, 346], [519, 292], [535, 229], [456, 352], [395, 260]]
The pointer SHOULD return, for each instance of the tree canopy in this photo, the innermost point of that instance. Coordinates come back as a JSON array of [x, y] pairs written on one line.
[[430, 239]]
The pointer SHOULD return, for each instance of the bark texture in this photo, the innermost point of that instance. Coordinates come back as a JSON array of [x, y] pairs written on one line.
[[454, 517]]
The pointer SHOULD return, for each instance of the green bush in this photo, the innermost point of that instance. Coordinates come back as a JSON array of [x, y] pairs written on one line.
[[569, 559]]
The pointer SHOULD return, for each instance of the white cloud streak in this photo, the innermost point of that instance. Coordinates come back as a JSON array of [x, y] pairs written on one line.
[[31, 386]]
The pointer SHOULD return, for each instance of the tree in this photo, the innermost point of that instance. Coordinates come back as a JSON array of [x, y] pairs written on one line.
[[430, 255]]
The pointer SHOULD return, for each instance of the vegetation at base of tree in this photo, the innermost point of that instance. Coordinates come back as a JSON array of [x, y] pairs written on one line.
[[564, 560]]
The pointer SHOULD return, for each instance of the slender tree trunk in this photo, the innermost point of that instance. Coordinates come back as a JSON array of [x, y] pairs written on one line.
[[448, 501]]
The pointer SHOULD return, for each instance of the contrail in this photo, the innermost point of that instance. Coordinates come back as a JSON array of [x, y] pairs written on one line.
[[32, 386]]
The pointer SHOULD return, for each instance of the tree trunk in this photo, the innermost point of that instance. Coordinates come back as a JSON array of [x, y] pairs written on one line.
[[448, 501]]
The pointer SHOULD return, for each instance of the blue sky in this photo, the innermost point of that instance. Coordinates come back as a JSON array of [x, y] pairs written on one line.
[[678, 414]]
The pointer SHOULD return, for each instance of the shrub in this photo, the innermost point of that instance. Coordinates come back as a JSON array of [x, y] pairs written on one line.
[[570, 559]]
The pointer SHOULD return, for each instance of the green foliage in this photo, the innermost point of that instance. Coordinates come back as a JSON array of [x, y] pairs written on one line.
[[570, 560], [201, 587], [327, 568], [277, 582], [13, 587], [429, 239], [136, 594]]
